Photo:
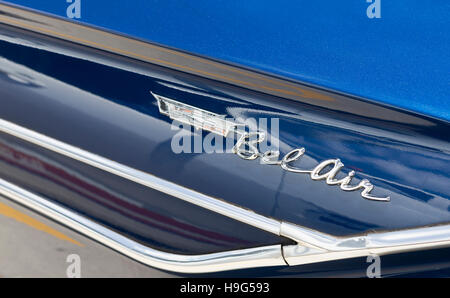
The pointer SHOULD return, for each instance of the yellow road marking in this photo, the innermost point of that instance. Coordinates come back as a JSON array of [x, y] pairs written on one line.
[[35, 224]]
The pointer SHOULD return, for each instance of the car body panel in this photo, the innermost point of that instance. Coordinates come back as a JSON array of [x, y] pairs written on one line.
[[400, 59], [102, 101], [267, 190]]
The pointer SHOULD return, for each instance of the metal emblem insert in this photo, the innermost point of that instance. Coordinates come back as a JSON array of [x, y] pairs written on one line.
[[196, 117]]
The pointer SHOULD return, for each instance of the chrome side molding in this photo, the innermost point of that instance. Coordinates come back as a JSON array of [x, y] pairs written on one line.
[[140, 177], [312, 246], [229, 260]]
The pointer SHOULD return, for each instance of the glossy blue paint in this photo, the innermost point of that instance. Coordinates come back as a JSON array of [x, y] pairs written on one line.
[[400, 60], [404, 155]]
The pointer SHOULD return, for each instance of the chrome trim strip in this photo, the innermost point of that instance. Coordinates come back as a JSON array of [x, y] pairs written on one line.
[[230, 260], [318, 247], [313, 246], [180, 192]]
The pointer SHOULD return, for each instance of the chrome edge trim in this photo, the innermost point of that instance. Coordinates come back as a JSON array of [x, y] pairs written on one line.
[[175, 190], [312, 246], [315, 247], [265, 256]]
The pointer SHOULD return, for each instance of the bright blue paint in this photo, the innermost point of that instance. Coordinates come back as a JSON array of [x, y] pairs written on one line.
[[401, 59]]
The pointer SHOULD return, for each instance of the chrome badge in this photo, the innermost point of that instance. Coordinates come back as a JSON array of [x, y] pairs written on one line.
[[196, 117], [246, 147]]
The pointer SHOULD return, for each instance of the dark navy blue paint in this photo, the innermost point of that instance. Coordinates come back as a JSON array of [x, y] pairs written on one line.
[[109, 111], [401, 59], [430, 263], [145, 215]]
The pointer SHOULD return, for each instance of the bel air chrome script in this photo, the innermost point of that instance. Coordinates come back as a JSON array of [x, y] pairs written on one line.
[[247, 147]]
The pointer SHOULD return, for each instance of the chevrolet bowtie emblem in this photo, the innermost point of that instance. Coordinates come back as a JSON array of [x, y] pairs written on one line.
[[247, 147]]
